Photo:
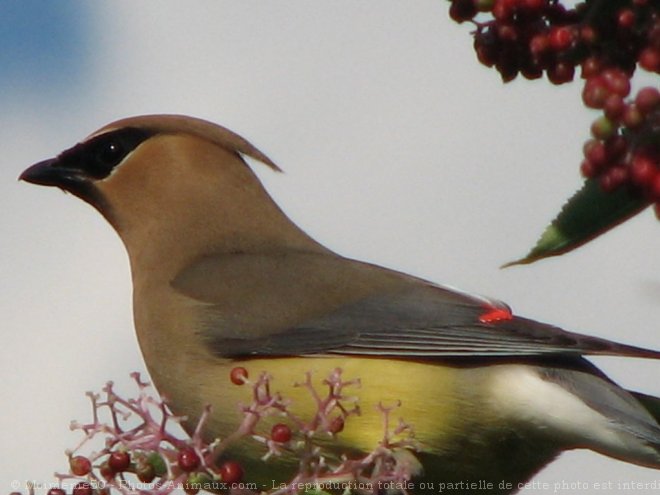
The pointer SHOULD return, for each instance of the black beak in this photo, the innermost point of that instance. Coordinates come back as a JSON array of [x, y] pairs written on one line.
[[42, 173], [49, 173], [55, 173]]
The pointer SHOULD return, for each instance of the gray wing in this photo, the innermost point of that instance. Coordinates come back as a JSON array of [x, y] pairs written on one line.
[[291, 304], [420, 324]]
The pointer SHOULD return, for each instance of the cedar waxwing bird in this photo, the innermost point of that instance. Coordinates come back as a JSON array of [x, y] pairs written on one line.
[[223, 278]]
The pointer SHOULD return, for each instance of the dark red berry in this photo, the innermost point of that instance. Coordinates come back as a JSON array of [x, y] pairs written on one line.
[[613, 178], [642, 170], [595, 92], [533, 5], [231, 472], [83, 488], [539, 44], [587, 169], [462, 10], [615, 147], [632, 117], [614, 107], [531, 70], [80, 465], [588, 35], [625, 19], [561, 38], [238, 375], [280, 433], [591, 67], [561, 72], [188, 459], [647, 99], [649, 59], [56, 491], [106, 471], [616, 81], [336, 425], [119, 461], [507, 32], [594, 151], [503, 9]]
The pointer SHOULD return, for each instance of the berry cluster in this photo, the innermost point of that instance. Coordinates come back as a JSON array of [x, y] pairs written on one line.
[[148, 453], [536, 36], [625, 149], [608, 39]]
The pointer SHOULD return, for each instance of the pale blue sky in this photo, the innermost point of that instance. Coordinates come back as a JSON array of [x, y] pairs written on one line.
[[46, 48]]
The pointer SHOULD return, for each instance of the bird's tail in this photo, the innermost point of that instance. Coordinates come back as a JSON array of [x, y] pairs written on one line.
[[626, 425], [650, 403]]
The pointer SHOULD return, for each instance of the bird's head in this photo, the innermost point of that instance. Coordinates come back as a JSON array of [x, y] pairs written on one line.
[[173, 182]]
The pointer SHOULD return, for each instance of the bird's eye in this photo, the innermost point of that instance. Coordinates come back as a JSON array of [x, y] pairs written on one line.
[[110, 153], [99, 156]]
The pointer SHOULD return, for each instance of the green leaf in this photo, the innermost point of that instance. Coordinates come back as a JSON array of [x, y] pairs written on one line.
[[588, 214]]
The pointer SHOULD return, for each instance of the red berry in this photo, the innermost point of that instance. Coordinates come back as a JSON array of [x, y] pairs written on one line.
[[336, 425], [231, 472], [625, 19], [642, 170], [561, 73], [531, 70], [539, 44], [238, 375], [616, 81], [507, 32], [503, 9], [591, 67], [534, 5], [595, 92], [587, 169], [561, 38], [56, 491], [119, 461], [106, 471], [588, 35], [80, 465], [614, 107], [613, 178], [649, 59], [594, 151], [615, 147], [462, 10], [83, 488], [188, 459], [280, 433], [647, 99], [632, 117]]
